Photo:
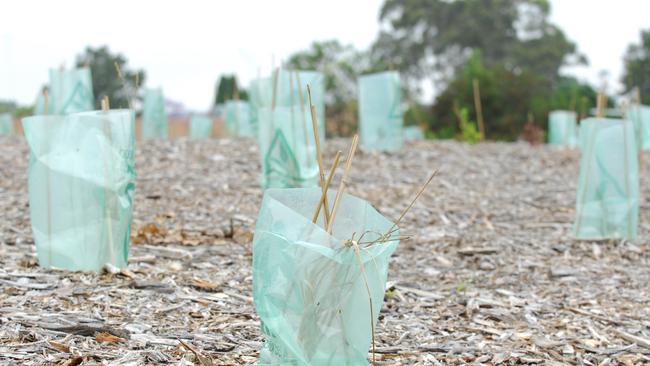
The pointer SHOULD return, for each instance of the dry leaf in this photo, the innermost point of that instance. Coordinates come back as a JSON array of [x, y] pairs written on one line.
[[204, 284], [108, 338], [59, 346], [148, 233]]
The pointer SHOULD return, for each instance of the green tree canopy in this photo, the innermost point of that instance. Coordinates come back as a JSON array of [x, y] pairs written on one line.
[[508, 97], [422, 37], [106, 81], [637, 67], [229, 89]]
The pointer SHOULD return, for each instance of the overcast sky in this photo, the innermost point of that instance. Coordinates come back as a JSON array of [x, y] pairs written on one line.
[[185, 45]]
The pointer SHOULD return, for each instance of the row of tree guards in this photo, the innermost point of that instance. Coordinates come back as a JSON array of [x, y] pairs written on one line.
[[607, 197], [320, 256], [80, 206]]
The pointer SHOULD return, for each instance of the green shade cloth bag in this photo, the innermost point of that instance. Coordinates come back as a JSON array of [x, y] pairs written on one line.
[[308, 287], [237, 116], [81, 186], [70, 91], [154, 117], [607, 204], [413, 133], [562, 128], [200, 127], [640, 117], [287, 149], [6, 124], [290, 84], [380, 115]]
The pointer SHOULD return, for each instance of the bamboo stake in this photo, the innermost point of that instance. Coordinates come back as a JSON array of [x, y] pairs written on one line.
[[48, 185], [581, 202], [343, 184], [275, 88], [637, 96], [109, 224], [105, 104], [601, 102], [236, 99], [46, 99], [302, 109], [327, 185], [408, 208], [627, 178], [479, 110], [319, 157], [121, 77], [276, 73], [294, 130]]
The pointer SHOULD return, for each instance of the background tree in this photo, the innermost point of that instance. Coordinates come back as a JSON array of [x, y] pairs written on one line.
[[508, 99], [106, 81], [226, 87], [509, 45], [15, 110], [637, 67]]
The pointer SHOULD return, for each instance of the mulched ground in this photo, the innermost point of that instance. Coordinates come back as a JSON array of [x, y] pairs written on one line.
[[491, 276]]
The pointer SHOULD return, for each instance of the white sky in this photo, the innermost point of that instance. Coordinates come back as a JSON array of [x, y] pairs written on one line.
[[184, 46]]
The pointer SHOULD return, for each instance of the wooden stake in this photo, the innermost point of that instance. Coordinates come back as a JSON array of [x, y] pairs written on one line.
[[105, 104], [327, 186], [107, 172], [479, 110], [121, 77], [601, 103], [302, 109], [319, 156], [275, 88], [344, 179], [46, 99]]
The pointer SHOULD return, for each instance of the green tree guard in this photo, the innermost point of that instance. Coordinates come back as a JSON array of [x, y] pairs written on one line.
[[607, 201], [81, 186], [308, 286], [562, 128], [154, 117], [380, 114]]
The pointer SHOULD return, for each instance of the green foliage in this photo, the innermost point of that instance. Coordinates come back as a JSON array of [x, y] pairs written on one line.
[[417, 115], [105, 78], [637, 67], [510, 46], [507, 98], [229, 89], [468, 131], [516, 33], [7, 106], [15, 110]]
